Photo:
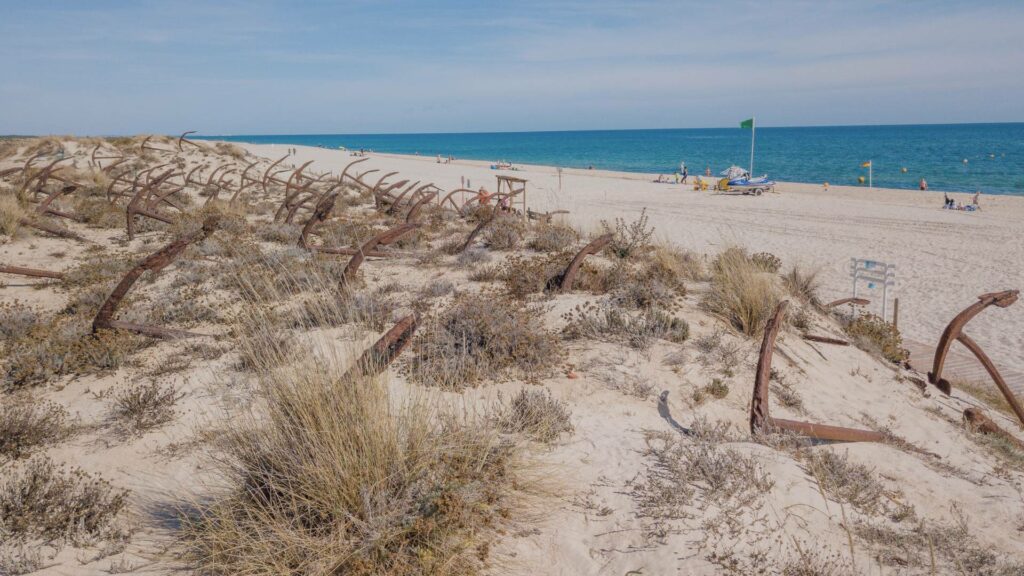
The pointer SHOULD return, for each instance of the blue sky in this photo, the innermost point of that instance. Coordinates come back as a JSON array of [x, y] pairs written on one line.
[[229, 67]]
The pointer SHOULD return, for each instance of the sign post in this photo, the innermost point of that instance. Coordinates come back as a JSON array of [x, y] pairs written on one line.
[[874, 272]]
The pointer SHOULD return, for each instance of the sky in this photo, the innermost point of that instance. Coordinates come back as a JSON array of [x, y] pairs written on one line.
[[275, 67]]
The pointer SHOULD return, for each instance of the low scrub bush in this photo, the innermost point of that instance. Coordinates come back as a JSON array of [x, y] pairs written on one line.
[[504, 233], [142, 407], [64, 346], [689, 476], [935, 547], [553, 238], [741, 292], [767, 262], [629, 239], [40, 500], [875, 335], [536, 414], [610, 323], [479, 338], [17, 320], [279, 232], [26, 424], [846, 482]]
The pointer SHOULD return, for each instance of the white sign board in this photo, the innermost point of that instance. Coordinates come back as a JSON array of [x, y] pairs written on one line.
[[875, 275]]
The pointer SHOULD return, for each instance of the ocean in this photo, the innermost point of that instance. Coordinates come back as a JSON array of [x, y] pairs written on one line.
[[951, 157]]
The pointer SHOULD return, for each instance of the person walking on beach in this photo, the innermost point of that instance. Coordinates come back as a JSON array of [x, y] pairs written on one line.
[[923, 185], [707, 171], [974, 200], [685, 174]]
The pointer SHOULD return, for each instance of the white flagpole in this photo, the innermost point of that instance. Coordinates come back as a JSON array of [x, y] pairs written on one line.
[[753, 129]]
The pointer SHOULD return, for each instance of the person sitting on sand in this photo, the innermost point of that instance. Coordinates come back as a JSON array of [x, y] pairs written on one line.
[[484, 196], [947, 202]]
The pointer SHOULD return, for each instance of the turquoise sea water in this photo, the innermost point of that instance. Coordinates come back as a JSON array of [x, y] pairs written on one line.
[[994, 153]]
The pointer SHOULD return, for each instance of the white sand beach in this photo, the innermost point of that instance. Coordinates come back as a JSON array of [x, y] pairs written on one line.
[[655, 469], [944, 259]]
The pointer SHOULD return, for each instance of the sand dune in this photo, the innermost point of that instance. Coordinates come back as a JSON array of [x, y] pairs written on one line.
[[944, 259]]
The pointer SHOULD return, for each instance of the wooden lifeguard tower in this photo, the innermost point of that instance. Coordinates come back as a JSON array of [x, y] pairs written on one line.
[[515, 188]]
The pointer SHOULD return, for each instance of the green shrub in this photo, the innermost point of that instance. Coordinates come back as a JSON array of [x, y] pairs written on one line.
[[875, 335]]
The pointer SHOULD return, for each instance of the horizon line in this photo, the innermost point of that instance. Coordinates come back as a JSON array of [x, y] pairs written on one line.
[[201, 135]]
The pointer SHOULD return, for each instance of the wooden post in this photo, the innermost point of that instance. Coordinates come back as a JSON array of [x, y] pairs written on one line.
[[896, 313]]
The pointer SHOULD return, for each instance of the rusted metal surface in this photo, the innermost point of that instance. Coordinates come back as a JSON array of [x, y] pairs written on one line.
[[990, 367], [39, 177], [382, 239], [544, 216], [183, 140], [568, 276], [825, 340], [291, 190], [979, 422], [380, 197], [137, 205], [479, 228], [50, 229], [344, 171], [854, 301], [414, 212], [31, 272], [266, 173], [825, 431], [956, 325], [354, 251], [155, 262], [378, 357], [106, 169], [44, 206], [376, 187], [760, 416], [359, 179], [320, 213], [448, 198]]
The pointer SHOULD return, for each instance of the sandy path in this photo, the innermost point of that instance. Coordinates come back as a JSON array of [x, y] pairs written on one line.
[[944, 258]]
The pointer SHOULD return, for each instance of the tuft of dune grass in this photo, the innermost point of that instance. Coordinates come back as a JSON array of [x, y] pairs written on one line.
[[330, 472], [11, 214], [332, 475], [741, 291]]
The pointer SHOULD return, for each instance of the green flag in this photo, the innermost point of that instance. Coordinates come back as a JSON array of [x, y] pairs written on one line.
[[748, 123]]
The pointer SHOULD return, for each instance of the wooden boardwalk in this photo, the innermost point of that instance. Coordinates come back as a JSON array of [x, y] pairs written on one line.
[[962, 365]]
